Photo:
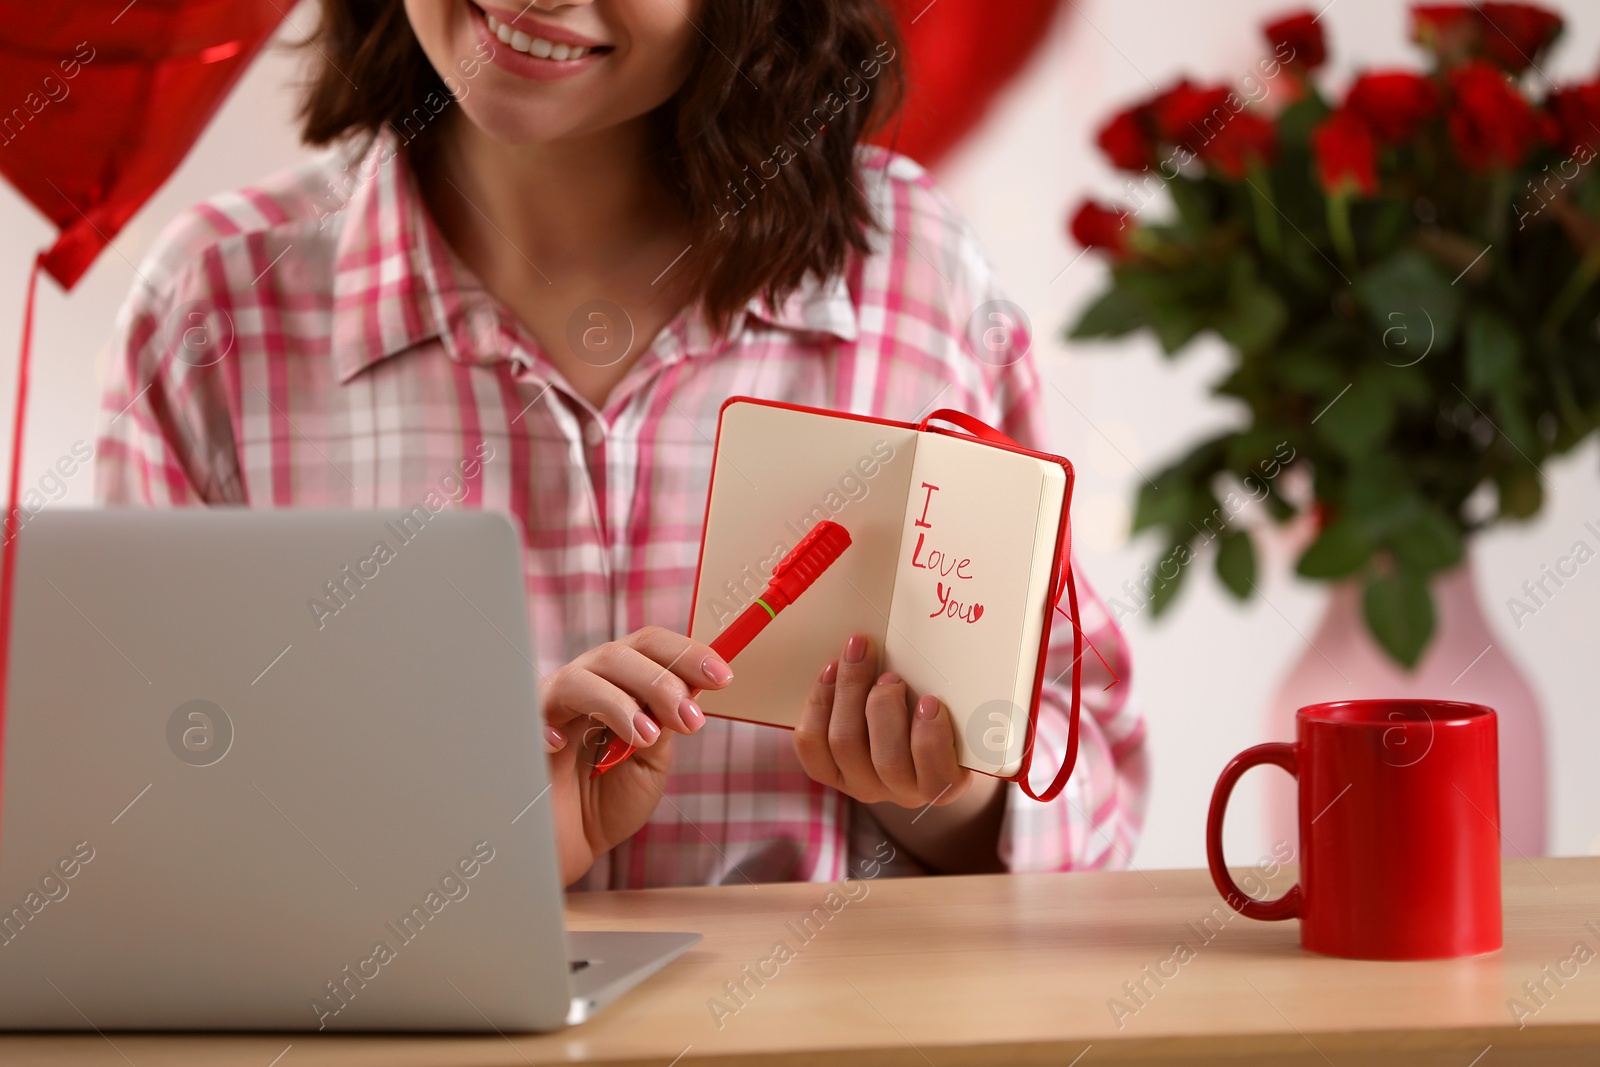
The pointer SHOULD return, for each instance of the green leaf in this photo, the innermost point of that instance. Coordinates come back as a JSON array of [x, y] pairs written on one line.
[[1301, 117], [1236, 563], [1209, 517], [1165, 503], [1177, 302], [1255, 452], [1163, 589], [1196, 207], [1515, 423], [1494, 351], [1399, 613], [1521, 495], [1175, 325], [1412, 303], [1114, 313], [1340, 550], [1309, 370], [1407, 385], [1383, 223], [1308, 266], [1429, 542], [1359, 420], [1377, 487], [1253, 316]]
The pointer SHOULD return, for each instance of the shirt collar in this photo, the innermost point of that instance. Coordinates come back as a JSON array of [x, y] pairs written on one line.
[[823, 306], [397, 284]]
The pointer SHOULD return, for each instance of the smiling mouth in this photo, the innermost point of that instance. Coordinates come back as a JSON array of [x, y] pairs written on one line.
[[538, 47]]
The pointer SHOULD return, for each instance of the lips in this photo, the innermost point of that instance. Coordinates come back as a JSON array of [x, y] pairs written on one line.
[[540, 40]]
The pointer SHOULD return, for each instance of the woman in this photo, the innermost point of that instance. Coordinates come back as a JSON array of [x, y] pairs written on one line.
[[554, 239]]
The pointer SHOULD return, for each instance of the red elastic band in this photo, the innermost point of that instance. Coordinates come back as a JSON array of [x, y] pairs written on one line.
[[12, 528]]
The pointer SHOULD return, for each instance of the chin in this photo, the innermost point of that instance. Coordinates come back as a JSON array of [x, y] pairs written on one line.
[[512, 120]]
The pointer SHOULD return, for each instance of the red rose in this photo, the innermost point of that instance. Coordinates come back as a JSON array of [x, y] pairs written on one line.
[[1576, 110], [1211, 121], [1190, 115], [1101, 226], [1450, 31], [1393, 103], [1246, 138], [1550, 130], [1126, 141], [1512, 35], [1297, 39], [1516, 35], [1346, 155], [1492, 124]]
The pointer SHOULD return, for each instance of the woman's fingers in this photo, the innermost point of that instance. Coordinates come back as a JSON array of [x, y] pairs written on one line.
[[889, 735], [848, 737], [654, 685], [939, 778], [691, 660], [811, 735], [577, 694], [857, 735]]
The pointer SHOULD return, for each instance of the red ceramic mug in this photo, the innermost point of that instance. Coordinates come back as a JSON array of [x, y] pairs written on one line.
[[1399, 829]]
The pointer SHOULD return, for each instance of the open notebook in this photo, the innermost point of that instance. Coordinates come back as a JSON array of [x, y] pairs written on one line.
[[958, 548]]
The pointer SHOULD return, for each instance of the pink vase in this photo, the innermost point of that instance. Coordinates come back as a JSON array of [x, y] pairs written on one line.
[[1464, 661]]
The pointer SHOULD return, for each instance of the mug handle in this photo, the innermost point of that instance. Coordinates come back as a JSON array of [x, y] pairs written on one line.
[[1286, 906]]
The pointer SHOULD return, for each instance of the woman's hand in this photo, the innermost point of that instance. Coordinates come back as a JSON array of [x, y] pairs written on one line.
[[858, 736], [610, 688]]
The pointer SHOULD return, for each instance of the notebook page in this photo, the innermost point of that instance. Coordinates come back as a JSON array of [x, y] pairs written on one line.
[[777, 473], [967, 611]]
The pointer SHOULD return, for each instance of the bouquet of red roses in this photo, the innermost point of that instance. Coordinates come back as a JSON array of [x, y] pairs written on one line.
[[1405, 275]]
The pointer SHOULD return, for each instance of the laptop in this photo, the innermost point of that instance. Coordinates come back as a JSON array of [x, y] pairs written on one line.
[[283, 770]]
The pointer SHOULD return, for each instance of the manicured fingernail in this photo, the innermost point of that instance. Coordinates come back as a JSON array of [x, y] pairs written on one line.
[[554, 738], [888, 678], [855, 649], [928, 707], [830, 672], [646, 726], [716, 670], [691, 714]]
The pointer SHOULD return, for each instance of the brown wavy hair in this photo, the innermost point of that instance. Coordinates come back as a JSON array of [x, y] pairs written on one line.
[[758, 144]]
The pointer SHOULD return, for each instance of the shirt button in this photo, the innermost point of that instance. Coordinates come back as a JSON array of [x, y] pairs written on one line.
[[594, 433], [484, 328]]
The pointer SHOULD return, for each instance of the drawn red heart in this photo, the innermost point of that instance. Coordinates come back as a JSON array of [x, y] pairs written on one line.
[[100, 100], [961, 54], [977, 613]]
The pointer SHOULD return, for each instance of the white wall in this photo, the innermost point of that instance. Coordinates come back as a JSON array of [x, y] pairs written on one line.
[[1206, 670]]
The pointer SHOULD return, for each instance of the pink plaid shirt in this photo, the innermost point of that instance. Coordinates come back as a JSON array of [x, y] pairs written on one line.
[[366, 362]]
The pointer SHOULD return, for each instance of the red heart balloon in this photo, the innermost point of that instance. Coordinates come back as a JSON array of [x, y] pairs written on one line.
[[961, 54], [106, 97]]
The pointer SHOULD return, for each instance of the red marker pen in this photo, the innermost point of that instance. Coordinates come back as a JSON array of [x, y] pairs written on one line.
[[793, 575]]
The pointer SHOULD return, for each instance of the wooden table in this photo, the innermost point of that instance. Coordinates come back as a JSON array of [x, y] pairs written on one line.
[[1012, 970]]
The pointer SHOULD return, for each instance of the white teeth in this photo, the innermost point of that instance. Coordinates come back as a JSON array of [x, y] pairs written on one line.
[[534, 46]]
